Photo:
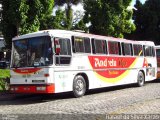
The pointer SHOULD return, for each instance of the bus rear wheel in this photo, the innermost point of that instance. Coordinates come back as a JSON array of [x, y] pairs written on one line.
[[140, 79], [79, 86]]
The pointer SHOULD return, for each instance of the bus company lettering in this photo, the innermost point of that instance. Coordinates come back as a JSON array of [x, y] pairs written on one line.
[[105, 63], [122, 63]]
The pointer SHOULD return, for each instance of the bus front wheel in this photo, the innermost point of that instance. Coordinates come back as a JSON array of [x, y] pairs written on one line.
[[79, 86], [140, 79]]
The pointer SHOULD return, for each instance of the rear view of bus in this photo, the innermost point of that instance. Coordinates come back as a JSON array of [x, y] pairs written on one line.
[[158, 61]]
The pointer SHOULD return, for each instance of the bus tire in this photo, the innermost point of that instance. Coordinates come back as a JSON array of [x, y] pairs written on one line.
[[79, 86], [140, 79]]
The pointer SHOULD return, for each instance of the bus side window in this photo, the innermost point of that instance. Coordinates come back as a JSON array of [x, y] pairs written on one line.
[[149, 51], [153, 52], [114, 48], [81, 44], [87, 45], [100, 46], [73, 44], [119, 47], [93, 46], [138, 50], [131, 49], [64, 57], [127, 49]]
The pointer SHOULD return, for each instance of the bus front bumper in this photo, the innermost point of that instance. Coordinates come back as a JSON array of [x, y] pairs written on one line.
[[32, 88]]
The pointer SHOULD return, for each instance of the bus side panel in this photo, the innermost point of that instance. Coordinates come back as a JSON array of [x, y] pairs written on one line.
[[64, 75], [111, 75], [63, 81], [105, 73]]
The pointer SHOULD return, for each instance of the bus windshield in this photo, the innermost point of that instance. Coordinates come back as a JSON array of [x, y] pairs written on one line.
[[32, 52]]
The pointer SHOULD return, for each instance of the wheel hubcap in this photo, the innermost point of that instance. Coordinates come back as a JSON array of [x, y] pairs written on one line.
[[79, 86], [141, 79]]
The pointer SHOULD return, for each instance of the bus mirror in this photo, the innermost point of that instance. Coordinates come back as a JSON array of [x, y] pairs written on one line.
[[57, 46]]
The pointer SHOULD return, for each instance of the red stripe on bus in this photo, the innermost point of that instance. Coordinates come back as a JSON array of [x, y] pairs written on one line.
[[110, 67], [26, 71]]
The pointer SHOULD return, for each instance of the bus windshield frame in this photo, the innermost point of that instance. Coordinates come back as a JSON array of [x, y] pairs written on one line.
[[32, 52]]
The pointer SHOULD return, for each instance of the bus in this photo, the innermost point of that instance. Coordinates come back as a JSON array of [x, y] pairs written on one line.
[[56, 61], [158, 60]]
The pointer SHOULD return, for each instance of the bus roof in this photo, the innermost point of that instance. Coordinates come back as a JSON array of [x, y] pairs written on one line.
[[66, 33], [157, 46]]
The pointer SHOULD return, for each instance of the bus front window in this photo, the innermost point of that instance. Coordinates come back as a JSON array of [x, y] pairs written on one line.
[[32, 52]]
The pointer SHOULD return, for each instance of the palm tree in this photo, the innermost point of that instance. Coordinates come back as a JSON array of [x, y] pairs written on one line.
[[69, 11]]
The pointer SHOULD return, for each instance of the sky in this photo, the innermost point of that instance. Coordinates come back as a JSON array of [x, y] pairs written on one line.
[[134, 1]]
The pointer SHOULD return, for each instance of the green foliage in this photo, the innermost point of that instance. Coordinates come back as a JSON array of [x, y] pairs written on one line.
[[147, 21], [81, 26], [12, 14], [54, 22], [4, 73], [4, 77], [69, 2], [46, 14], [3, 85], [108, 17], [59, 19], [24, 16], [69, 12]]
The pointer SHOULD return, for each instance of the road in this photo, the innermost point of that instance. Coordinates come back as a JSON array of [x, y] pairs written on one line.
[[95, 104]]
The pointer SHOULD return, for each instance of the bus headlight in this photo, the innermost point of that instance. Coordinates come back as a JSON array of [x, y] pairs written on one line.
[[14, 88]]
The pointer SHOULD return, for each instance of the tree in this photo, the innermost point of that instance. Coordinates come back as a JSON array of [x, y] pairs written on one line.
[[0, 16], [23, 16], [46, 14], [55, 22], [108, 17], [59, 19], [42, 13], [68, 9], [81, 26], [147, 21], [13, 15]]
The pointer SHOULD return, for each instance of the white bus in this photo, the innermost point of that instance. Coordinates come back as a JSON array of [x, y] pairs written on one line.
[[55, 61]]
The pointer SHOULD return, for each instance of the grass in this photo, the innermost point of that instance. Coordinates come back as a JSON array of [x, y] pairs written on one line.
[[4, 74]]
